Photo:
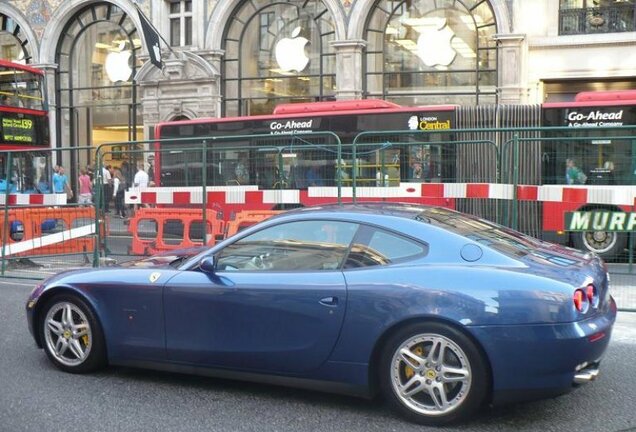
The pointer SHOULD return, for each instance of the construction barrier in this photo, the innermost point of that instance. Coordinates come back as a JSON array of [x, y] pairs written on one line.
[[184, 220], [246, 218], [48, 231]]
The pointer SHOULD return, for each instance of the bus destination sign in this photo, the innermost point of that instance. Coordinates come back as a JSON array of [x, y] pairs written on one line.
[[18, 130], [600, 220]]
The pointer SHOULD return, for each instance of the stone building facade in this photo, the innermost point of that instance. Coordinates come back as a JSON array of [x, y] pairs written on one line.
[[240, 57]]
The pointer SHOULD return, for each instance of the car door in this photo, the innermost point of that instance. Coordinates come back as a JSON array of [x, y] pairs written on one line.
[[276, 301]]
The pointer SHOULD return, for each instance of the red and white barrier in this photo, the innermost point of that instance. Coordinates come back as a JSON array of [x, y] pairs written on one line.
[[584, 194], [49, 240], [34, 199]]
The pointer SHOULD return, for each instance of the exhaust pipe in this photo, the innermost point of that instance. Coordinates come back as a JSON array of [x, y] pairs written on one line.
[[586, 375]]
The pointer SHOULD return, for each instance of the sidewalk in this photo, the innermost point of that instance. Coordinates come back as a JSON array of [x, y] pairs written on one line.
[[623, 286]]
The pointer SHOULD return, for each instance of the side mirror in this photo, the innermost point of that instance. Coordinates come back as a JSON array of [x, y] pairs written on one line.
[[208, 264]]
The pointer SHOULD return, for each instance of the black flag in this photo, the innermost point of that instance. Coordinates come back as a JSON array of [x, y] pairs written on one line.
[[151, 35]]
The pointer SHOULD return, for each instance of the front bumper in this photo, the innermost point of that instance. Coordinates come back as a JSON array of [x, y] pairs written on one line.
[[535, 361]]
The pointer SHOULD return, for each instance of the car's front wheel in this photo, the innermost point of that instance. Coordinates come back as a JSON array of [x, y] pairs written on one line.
[[433, 374], [72, 336]]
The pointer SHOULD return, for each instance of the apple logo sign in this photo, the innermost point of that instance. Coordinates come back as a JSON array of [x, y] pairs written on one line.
[[116, 65], [290, 52], [434, 44], [414, 123]]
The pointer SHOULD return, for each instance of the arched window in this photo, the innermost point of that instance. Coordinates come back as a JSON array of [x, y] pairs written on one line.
[[96, 94], [430, 52], [277, 52], [14, 45]]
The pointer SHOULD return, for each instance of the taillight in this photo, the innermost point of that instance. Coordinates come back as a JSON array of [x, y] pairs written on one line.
[[581, 302], [592, 295], [586, 297]]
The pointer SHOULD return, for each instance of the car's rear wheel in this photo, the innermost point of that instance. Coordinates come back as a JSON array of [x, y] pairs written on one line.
[[433, 374], [71, 335]]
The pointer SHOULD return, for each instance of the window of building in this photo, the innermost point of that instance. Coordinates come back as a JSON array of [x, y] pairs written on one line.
[[97, 57], [14, 46], [422, 52], [276, 53], [180, 17], [596, 16]]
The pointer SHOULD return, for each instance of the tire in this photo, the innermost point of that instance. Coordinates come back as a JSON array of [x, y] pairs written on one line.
[[74, 345], [606, 244], [428, 378]]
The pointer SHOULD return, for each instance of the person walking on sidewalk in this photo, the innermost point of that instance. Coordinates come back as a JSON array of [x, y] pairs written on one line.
[[85, 189], [107, 192], [141, 181], [141, 178], [119, 188], [60, 183]]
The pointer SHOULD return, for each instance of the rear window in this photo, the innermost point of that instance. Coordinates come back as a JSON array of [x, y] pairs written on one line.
[[481, 231]]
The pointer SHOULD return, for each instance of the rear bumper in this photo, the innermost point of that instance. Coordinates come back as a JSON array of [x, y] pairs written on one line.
[[537, 361], [587, 374]]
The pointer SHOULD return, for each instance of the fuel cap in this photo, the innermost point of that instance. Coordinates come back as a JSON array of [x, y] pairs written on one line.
[[471, 252]]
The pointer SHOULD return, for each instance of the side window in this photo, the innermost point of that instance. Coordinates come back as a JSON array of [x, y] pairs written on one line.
[[378, 247], [295, 246]]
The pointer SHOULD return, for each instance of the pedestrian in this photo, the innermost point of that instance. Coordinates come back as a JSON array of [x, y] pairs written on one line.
[[141, 178], [89, 172], [85, 188], [119, 188], [151, 170], [60, 183], [107, 181]]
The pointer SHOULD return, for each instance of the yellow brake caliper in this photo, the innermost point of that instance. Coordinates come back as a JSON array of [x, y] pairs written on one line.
[[85, 340], [408, 370]]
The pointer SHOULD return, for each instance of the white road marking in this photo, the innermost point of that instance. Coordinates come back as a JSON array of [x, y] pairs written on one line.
[[18, 283]]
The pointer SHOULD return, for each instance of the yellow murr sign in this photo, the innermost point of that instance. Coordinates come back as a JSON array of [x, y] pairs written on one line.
[[600, 220]]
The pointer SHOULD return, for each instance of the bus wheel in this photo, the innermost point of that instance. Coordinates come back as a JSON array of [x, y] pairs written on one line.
[[606, 244]]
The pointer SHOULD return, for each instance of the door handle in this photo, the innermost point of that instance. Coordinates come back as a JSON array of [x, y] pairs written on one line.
[[329, 301]]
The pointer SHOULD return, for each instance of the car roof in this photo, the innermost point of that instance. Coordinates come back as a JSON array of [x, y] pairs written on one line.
[[402, 210]]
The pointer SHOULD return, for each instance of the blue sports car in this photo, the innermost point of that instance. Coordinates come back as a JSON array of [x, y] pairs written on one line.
[[439, 311]]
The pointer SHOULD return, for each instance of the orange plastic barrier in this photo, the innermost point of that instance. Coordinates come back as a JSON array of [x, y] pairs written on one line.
[[161, 216], [245, 218], [40, 226]]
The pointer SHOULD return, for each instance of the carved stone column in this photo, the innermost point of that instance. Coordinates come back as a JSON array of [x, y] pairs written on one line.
[[349, 68], [513, 52], [49, 77]]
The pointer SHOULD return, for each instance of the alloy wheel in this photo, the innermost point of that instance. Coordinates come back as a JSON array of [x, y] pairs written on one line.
[[430, 374], [68, 334]]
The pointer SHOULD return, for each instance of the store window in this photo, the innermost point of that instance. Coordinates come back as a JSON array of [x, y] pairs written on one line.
[[277, 53], [423, 52], [596, 16], [180, 17], [14, 46], [97, 58]]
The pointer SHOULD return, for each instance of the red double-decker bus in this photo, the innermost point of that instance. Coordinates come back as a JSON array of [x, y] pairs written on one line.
[[460, 162], [24, 125]]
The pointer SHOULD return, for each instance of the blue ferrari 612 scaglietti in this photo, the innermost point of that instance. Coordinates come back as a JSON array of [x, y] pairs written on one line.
[[440, 312]]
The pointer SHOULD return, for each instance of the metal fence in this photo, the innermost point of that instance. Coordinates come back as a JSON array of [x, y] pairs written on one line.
[[180, 193]]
